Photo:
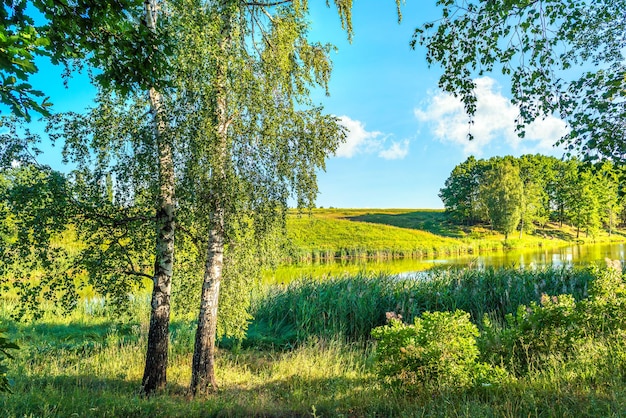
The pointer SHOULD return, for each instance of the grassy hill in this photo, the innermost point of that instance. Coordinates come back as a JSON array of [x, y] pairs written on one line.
[[397, 233]]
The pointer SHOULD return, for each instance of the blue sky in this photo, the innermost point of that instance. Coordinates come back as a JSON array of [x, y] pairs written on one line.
[[404, 135]]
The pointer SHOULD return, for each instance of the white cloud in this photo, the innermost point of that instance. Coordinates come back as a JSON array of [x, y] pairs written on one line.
[[358, 139], [494, 119], [397, 151], [361, 141]]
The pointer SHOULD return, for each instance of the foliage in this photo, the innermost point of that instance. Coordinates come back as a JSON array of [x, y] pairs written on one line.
[[37, 201], [48, 205], [502, 192], [438, 351], [563, 57], [536, 171], [108, 36], [20, 43], [5, 345], [585, 196], [460, 194], [559, 326]]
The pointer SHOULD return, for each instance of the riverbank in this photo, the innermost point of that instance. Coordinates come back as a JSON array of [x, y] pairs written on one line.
[[309, 354], [406, 233]]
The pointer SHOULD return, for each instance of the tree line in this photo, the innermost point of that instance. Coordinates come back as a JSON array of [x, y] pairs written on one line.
[[520, 194]]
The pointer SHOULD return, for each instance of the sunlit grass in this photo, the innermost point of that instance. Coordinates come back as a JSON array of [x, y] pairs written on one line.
[[403, 233]]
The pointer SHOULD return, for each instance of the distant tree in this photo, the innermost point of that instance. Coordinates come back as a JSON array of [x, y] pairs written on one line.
[[562, 56], [502, 192], [460, 194], [562, 187], [583, 202], [607, 186], [536, 172]]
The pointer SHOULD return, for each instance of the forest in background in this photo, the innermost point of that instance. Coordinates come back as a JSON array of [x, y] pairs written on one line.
[[519, 194]]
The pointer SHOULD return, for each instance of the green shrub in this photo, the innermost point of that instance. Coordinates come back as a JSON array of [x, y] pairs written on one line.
[[542, 331], [604, 312], [438, 351], [556, 328], [5, 345]]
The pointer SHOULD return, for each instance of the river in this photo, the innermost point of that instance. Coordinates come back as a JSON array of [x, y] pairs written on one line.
[[573, 255]]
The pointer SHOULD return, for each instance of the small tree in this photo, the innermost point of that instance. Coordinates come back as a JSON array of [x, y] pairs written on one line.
[[583, 205], [502, 192], [460, 194]]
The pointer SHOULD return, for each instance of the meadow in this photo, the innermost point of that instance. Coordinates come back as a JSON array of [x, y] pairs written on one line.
[[324, 234], [309, 352]]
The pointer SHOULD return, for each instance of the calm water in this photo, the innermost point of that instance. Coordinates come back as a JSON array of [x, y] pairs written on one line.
[[557, 257]]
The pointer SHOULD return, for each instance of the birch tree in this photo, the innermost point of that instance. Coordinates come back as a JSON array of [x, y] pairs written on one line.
[[561, 56], [226, 85], [124, 41], [261, 139]]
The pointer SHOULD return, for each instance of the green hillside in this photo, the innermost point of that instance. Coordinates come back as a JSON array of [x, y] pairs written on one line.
[[396, 233]]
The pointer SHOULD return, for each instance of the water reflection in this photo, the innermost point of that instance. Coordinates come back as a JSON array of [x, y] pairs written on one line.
[[556, 257], [573, 255]]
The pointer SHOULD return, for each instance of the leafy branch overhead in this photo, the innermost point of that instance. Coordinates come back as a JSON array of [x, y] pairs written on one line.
[[110, 36], [562, 56], [105, 35]]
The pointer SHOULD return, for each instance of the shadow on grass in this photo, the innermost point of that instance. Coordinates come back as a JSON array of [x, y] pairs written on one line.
[[553, 233], [300, 396], [294, 396], [81, 338], [92, 396], [435, 222]]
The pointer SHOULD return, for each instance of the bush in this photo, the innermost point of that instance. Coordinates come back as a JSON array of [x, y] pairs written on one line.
[[438, 351], [5, 345], [558, 326]]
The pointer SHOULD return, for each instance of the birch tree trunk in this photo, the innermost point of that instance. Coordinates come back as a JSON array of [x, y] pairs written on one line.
[[155, 372], [203, 366]]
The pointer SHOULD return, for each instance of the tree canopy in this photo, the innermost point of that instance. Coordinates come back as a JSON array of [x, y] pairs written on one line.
[[77, 34], [562, 56], [526, 192]]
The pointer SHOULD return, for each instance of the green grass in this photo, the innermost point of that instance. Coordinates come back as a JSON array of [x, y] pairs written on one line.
[[308, 354], [396, 233], [322, 236]]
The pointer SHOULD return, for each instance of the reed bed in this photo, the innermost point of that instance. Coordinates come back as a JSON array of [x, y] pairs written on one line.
[[348, 307]]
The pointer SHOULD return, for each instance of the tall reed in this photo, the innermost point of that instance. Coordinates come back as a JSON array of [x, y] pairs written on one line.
[[348, 307]]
